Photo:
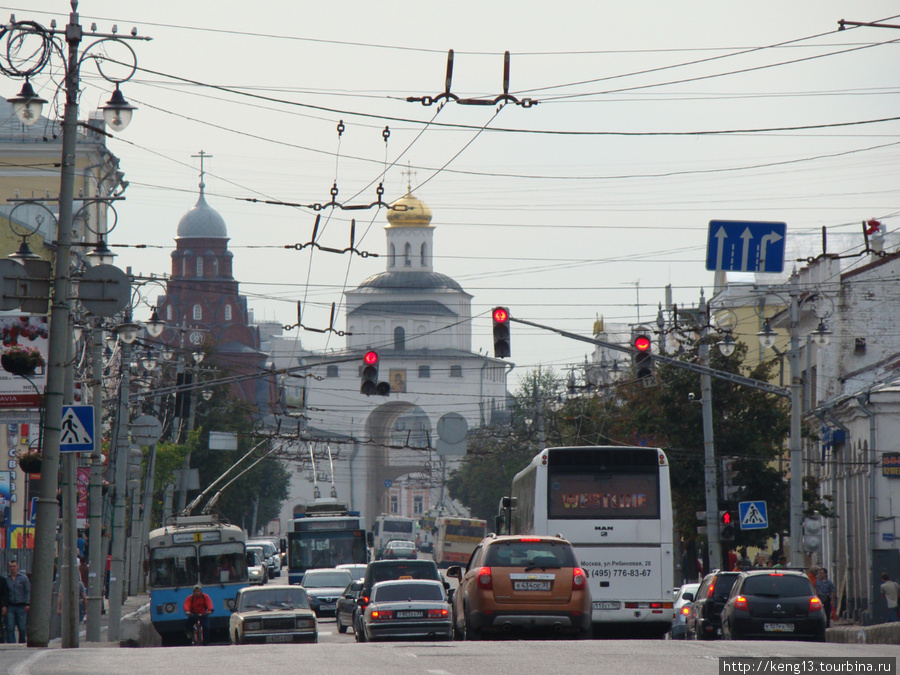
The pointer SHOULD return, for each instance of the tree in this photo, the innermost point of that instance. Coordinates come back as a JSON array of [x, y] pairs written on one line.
[[497, 454]]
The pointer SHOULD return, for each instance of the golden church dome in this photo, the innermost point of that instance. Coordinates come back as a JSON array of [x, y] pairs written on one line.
[[409, 211]]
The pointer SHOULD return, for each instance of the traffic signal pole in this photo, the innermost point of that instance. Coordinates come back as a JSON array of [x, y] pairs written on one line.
[[709, 450]]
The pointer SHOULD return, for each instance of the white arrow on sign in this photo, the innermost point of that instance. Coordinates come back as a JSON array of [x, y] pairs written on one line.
[[721, 236], [770, 238], [747, 236]]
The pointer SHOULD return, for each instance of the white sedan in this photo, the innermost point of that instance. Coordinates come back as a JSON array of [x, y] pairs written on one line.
[[274, 614]]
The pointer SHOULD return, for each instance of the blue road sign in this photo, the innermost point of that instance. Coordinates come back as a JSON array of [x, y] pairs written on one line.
[[753, 515], [740, 246], [77, 429], [388, 482]]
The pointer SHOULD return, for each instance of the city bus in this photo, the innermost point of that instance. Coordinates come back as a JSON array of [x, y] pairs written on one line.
[[388, 528], [325, 533], [457, 538], [194, 550], [614, 505]]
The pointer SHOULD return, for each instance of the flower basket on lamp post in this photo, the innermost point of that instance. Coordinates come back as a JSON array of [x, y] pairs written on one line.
[[19, 360], [30, 461]]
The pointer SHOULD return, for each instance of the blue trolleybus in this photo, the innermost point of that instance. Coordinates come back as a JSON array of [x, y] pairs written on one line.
[[192, 550], [325, 533]]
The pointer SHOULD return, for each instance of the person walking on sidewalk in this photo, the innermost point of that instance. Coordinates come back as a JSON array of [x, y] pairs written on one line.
[[825, 591], [19, 599], [889, 591]]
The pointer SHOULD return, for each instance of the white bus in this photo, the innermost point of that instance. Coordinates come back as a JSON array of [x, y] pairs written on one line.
[[615, 506], [389, 528]]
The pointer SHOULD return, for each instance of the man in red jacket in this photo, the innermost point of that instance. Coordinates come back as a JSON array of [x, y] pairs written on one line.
[[198, 604]]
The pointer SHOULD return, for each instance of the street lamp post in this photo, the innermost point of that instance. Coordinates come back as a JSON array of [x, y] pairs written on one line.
[[17, 35]]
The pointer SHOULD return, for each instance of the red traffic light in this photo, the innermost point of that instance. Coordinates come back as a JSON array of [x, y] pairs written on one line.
[[726, 518], [642, 343], [370, 358], [500, 315]]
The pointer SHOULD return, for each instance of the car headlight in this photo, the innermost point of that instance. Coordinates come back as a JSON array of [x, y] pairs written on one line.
[[305, 623], [252, 625], [229, 603], [169, 607]]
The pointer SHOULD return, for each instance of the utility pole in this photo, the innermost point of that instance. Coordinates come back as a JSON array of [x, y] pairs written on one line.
[[796, 484], [96, 556], [709, 446]]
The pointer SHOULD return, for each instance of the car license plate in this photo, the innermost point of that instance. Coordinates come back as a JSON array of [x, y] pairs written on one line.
[[605, 604], [279, 638], [531, 585], [778, 627], [327, 605], [408, 614]]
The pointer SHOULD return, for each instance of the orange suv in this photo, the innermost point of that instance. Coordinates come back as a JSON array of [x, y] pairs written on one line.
[[521, 583]]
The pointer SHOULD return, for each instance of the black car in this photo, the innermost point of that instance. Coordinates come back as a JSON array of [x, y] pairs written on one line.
[[705, 620], [346, 606], [772, 604], [389, 570]]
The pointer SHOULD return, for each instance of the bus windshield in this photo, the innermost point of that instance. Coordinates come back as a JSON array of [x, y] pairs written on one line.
[[173, 566], [220, 563], [403, 526], [310, 550]]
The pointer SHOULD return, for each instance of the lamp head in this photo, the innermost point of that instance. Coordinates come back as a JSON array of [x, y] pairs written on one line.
[[117, 112], [27, 105]]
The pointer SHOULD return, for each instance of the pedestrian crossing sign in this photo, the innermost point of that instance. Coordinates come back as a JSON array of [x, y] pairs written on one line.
[[753, 515], [77, 429]]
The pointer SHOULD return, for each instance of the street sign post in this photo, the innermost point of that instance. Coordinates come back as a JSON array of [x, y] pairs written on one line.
[[741, 246]]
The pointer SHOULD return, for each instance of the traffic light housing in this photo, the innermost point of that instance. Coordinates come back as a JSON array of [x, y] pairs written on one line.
[[727, 524], [500, 317], [812, 533], [641, 359], [369, 384], [730, 489]]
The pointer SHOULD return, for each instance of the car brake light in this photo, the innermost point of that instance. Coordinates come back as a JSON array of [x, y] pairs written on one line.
[[530, 539], [365, 600], [815, 604], [484, 578], [712, 586], [381, 614], [776, 574], [438, 613], [740, 602], [686, 609], [579, 578]]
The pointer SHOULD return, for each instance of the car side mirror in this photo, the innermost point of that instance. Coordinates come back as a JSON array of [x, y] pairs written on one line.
[[455, 572], [361, 602], [688, 597]]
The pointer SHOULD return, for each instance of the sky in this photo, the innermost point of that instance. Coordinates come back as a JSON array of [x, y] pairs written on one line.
[[653, 118]]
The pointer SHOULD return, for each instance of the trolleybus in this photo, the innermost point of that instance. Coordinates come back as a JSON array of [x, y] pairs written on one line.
[[614, 504], [194, 550], [325, 533]]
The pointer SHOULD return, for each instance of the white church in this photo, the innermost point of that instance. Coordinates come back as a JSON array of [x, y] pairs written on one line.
[[384, 454]]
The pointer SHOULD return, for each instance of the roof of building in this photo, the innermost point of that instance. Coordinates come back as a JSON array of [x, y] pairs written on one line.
[[202, 221], [409, 211], [410, 280], [418, 307]]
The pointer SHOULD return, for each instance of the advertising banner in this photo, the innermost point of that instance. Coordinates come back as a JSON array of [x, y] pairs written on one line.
[[24, 331]]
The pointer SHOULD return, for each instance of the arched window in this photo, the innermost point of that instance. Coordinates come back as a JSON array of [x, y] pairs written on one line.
[[423, 255], [399, 338], [228, 312], [393, 258], [408, 255], [184, 267], [199, 266], [168, 312], [215, 267], [198, 313]]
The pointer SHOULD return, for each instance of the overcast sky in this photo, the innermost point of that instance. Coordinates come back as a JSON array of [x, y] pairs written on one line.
[[653, 119]]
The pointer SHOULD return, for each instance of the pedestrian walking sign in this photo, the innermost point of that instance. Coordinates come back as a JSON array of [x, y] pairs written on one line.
[[77, 429], [753, 515]]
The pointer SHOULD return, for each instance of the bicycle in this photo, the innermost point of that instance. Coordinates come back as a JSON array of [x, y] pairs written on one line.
[[197, 634]]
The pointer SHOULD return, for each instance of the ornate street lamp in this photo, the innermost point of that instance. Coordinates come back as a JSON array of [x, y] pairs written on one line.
[[27, 105]]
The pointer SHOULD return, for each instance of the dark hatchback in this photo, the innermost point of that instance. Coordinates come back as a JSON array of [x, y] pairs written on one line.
[[705, 619], [771, 605]]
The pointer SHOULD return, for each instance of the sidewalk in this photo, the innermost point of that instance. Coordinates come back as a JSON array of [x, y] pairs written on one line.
[[135, 614]]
